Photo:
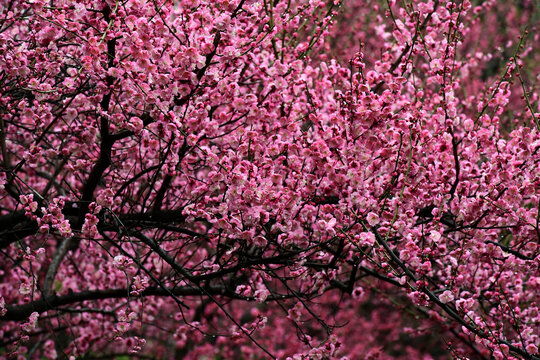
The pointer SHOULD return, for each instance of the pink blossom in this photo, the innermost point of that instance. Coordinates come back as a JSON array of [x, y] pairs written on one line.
[[446, 297], [3, 309], [31, 323], [372, 219], [366, 239]]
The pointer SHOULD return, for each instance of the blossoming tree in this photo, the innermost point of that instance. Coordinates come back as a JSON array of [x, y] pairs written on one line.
[[240, 179]]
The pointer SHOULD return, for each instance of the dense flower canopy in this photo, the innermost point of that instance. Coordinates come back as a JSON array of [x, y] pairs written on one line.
[[240, 179]]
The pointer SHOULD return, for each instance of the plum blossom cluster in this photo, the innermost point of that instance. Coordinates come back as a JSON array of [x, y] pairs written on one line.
[[302, 179]]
